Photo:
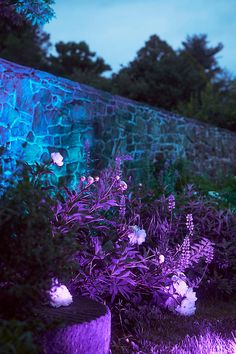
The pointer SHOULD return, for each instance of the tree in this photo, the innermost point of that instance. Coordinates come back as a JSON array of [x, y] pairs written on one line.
[[37, 12], [160, 76], [147, 76], [26, 45], [197, 47], [75, 61], [214, 105], [20, 41]]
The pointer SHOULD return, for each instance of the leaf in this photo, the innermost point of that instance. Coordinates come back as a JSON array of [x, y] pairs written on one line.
[[108, 246]]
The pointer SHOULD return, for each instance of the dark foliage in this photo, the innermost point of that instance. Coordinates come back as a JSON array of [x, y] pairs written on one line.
[[23, 43], [32, 253]]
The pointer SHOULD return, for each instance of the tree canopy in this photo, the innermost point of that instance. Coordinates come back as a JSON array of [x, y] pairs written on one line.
[[37, 12], [197, 47], [22, 42], [188, 81]]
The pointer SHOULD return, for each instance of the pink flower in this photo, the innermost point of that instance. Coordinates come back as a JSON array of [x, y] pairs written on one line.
[[90, 180], [57, 158]]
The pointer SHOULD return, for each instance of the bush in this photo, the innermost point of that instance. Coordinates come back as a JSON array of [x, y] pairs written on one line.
[[117, 247], [32, 250]]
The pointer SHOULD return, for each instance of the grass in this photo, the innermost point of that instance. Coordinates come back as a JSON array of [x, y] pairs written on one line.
[[147, 330]]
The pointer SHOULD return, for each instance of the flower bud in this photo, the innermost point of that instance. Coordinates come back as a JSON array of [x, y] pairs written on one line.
[[90, 180], [123, 185], [161, 259]]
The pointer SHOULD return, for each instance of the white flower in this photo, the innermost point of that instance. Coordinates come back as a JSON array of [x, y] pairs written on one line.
[[171, 302], [59, 295], [137, 235], [117, 178], [123, 185], [191, 295], [180, 287], [82, 178], [57, 158], [96, 179], [187, 308], [161, 259], [180, 291]]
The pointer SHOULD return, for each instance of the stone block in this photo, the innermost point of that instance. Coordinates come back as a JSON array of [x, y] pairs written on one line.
[[4, 96], [19, 129], [71, 168], [59, 129], [73, 139], [53, 116], [4, 135], [57, 140], [32, 152], [9, 115], [24, 96], [75, 154], [44, 96], [39, 124], [78, 112], [48, 140]]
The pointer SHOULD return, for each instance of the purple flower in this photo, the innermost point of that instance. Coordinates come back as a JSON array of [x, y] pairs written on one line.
[[189, 224], [171, 202]]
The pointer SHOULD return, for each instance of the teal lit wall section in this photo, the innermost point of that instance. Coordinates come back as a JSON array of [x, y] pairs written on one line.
[[41, 113]]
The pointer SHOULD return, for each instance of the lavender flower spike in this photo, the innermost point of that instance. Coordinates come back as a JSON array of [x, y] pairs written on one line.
[[189, 224], [171, 202]]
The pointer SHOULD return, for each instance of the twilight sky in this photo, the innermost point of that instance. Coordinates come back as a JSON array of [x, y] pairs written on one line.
[[117, 29]]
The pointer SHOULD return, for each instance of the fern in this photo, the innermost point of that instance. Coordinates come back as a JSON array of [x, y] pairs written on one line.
[[203, 249]]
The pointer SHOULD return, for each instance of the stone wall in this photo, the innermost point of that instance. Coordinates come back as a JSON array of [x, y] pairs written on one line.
[[41, 113]]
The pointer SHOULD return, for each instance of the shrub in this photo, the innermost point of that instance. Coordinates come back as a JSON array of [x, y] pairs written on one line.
[[114, 261], [32, 251]]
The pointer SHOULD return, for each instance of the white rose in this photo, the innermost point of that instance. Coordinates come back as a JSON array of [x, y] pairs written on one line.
[[191, 295], [187, 308], [59, 295], [180, 287], [137, 235]]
